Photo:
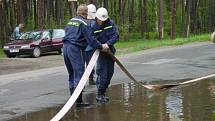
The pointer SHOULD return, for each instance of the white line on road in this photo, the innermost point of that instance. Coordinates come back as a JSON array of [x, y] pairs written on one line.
[[154, 62], [3, 91]]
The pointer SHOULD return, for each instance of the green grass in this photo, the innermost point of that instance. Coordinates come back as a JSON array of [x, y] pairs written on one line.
[[134, 45], [2, 55], [213, 116]]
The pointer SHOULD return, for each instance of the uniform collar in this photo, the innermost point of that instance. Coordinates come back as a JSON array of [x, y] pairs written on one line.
[[102, 26]]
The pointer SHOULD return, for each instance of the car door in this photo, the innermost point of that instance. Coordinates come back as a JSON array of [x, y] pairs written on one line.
[[57, 38], [46, 42]]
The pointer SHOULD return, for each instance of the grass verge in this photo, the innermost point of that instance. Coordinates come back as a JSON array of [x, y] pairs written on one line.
[[2, 55], [134, 45]]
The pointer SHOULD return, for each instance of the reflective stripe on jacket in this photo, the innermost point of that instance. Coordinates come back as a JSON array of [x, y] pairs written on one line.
[[78, 33], [107, 33]]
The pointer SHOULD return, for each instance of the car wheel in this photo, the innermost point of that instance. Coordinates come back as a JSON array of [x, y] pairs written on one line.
[[36, 52], [11, 56], [60, 51]]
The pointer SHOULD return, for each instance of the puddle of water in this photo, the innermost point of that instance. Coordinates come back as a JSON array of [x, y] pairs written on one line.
[[132, 103]]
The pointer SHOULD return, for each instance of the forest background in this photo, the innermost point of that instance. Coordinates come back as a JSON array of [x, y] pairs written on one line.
[[137, 20]]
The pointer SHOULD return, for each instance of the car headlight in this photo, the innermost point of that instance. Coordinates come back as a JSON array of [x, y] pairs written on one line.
[[6, 47], [25, 46]]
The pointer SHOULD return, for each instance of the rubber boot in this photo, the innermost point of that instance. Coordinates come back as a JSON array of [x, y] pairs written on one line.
[[101, 96], [80, 103]]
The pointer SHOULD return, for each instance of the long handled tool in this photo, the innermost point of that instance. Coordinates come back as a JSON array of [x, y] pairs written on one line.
[[165, 86], [155, 86], [123, 68]]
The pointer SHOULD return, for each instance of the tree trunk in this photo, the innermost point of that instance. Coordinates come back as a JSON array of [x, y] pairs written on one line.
[[194, 16], [20, 12], [213, 15], [122, 11], [161, 33], [6, 14], [130, 14], [30, 13], [143, 20], [187, 25], [94, 2], [116, 12], [105, 4], [145, 23], [141, 17], [40, 14], [48, 12], [182, 17], [35, 13], [12, 15], [61, 12], [72, 8], [156, 17], [173, 20], [1, 25], [25, 8], [210, 8], [57, 11]]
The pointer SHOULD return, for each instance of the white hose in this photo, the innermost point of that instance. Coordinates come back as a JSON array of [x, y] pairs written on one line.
[[197, 79], [78, 89]]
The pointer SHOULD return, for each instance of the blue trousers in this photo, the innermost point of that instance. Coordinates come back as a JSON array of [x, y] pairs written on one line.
[[74, 61], [104, 70]]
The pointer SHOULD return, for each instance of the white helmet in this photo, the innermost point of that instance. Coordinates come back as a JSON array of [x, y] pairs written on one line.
[[91, 11], [102, 14]]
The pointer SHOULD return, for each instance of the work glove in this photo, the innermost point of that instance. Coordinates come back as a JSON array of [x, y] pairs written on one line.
[[105, 48]]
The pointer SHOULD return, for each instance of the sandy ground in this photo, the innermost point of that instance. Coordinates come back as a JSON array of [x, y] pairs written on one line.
[[26, 63]]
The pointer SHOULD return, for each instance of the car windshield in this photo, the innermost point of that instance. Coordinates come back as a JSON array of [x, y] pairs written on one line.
[[30, 35]]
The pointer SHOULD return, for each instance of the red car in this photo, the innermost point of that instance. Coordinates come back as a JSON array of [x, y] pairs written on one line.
[[36, 42]]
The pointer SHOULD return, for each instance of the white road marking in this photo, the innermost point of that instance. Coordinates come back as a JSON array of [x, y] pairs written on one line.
[[154, 62], [3, 91], [160, 61]]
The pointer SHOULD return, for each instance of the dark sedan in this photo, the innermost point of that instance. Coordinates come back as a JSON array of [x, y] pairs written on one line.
[[36, 42]]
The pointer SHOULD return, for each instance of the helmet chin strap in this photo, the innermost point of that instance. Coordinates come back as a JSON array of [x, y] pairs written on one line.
[[99, 22]]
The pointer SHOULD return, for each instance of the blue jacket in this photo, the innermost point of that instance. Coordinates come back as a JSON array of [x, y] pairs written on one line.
[[106, 33], [16, 33], [78, 33], [90, 22]]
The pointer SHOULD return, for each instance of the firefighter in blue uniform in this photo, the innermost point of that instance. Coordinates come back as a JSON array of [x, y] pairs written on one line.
[[76, 39], [89, 53], [105, 31]]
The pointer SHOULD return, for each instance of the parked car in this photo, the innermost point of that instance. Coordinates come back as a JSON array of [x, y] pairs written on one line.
[[36, 42]]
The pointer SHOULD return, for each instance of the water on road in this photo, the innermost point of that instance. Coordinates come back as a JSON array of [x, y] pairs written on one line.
[[195, 102]]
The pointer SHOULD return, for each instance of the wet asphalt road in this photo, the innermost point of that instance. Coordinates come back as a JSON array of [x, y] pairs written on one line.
[[31, 91]]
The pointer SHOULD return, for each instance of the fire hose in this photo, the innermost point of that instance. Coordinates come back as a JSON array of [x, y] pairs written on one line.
[[83, 81]]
